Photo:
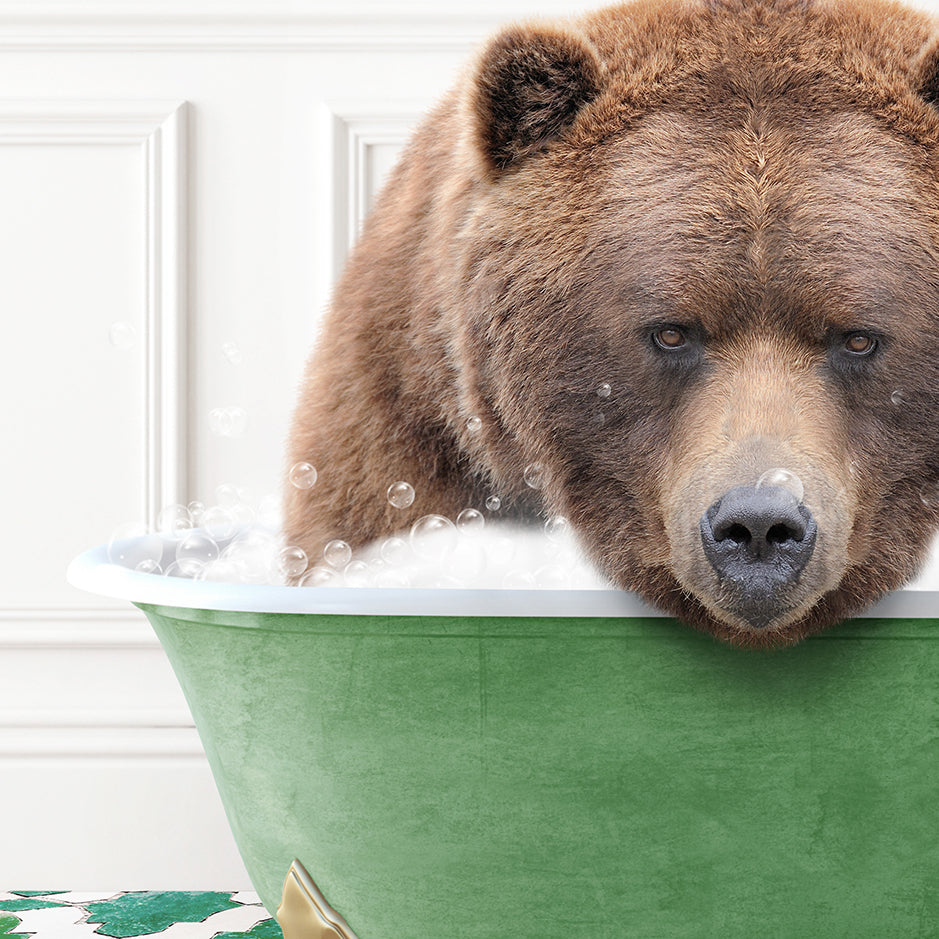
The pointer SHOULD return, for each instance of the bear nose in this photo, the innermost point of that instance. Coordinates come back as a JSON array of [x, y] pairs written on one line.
[[758, 541]]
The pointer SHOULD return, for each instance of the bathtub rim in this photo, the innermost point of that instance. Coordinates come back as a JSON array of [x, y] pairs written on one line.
[[93, 572]]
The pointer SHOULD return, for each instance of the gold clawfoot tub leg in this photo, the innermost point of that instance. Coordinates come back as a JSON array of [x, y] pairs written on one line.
[[304, 913]]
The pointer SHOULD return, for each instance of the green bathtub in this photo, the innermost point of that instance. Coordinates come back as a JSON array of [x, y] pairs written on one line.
[[513, 769]]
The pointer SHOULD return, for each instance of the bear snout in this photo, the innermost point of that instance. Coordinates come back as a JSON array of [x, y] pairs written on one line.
[[758, 540]]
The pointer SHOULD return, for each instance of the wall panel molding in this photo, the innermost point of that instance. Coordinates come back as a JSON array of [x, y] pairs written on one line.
[[253, 35], [58, 739], [40, 637], [260, 27], [349, 132], [158, 130], [102, 643], [36, 628]]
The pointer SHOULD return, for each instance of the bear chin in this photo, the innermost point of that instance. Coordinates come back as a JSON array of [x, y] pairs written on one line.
[[506, 556]]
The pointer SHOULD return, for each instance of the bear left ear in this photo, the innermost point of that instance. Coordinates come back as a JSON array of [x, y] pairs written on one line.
[[925, 72], [530, 83]]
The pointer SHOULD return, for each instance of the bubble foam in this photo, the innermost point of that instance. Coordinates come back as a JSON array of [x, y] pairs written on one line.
[[435, 552]]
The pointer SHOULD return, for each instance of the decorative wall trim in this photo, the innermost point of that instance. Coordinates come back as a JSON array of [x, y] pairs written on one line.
[[56, 740], [74, 628], [349, 130], [166, 185], [158, 129], [234, 36], [258, 27], [62, 731]]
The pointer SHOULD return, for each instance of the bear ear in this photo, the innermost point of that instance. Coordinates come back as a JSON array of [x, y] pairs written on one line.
[[530, 83], [925, 72]]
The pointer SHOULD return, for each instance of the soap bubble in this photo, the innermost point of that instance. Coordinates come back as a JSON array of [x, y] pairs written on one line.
[[231, 512], [302, 475], [221, 570], [556, 528], [219, 523], [232, 352], [228, 495], [394, 550], [253, 552], [196, 511], [446, 582], [242, 513], [122, 336], [337, 554], [469, 558], [784, 479], [269, 512], [148, 566], [534, 475], [228, 422], [219, 422], [145, 546], [898, 399], [392, 578], [292, 561], [433, 537], [493, 503], [553, 577], [519, 580], [239, 420], [604, 390], [474, 424], [502, 549], [189, 568], [599, 418], [320, 577], [174, 520], [401, 495], [470, 521], [196, 546], [356, 574]]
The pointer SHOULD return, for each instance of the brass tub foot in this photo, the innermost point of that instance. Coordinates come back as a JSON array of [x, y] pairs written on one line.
[[304, 913]]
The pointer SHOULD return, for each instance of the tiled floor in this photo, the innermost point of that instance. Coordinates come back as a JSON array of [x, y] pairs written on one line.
[[58, 914]]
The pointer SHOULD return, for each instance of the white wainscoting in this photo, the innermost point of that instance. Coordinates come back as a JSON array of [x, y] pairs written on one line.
[[360, 141]]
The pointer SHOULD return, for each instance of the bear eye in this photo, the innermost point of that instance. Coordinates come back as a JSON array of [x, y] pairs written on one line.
[[860, 344], [669, 338]]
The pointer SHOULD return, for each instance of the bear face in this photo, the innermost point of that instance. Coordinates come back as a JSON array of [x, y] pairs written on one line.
[[659, 273]]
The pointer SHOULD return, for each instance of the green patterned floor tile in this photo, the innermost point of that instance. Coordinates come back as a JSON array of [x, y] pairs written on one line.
[[7, 922], [38, 893], [30, 903], [266, 930], [135, 914], [197, 914]]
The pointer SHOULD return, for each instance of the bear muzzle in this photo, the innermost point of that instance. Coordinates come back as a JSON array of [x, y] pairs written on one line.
[[758, 541]]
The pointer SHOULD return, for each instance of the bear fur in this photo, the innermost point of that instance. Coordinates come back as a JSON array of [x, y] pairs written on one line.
[[727, 211]]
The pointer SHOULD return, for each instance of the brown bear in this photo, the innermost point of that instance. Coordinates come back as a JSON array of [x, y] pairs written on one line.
[[659, 252]]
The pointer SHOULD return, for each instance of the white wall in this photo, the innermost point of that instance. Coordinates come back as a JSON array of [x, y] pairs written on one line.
[[194, 170]]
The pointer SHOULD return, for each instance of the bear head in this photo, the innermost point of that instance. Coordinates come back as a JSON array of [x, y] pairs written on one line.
[[684, 264]]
